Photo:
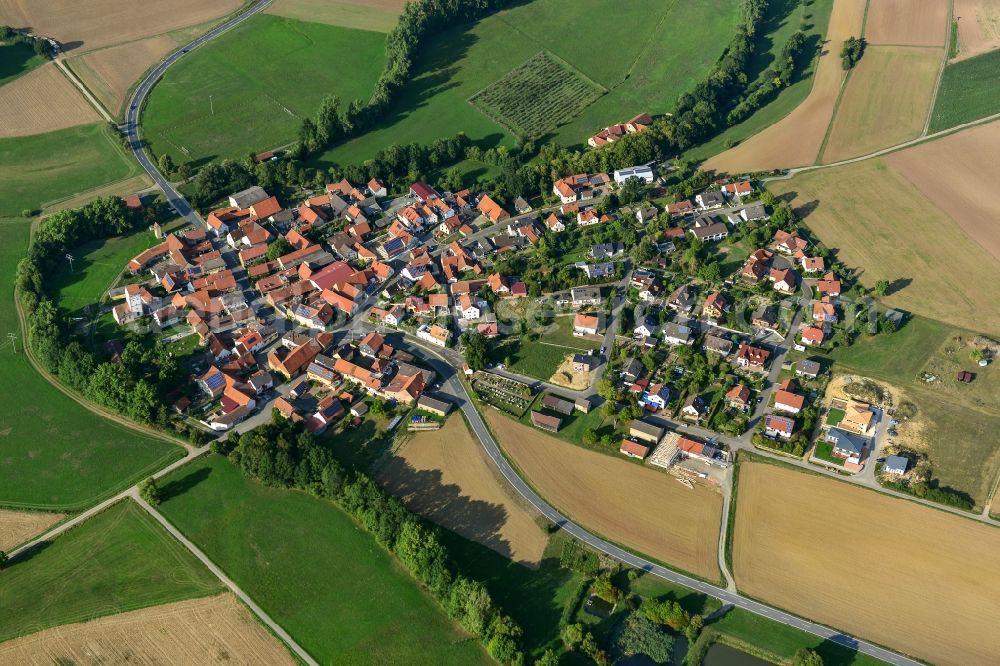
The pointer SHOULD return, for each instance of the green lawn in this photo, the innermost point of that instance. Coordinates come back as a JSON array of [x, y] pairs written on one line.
[[327, 582], [261, 78], [95, 267], [54, 453], [117, 561], [824, 451], [968, 92], [44, 167], [784, 17], [898, 357], [533, 359], [17, 60], [646, 56], [834, 417], [560, 332]]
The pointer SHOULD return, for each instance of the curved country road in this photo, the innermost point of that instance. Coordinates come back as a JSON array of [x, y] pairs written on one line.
[[447, 369]]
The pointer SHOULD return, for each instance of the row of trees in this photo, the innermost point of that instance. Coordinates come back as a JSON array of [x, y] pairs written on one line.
[[284, 454], [851, 52], [10, 36]]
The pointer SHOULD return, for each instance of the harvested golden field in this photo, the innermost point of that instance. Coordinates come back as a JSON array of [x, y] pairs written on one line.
[[17, 527], [210, 630], [957, 173], [42, 100], [84, 26], [376, 15], [909, 22], [635, 506], [445, 476], [119, 188], [795, 140], [978, 26], [886, 101], [110, 72], [919, 580], [879, 222]]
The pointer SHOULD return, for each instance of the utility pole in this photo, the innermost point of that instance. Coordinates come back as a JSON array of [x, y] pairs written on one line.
[[69, 257]]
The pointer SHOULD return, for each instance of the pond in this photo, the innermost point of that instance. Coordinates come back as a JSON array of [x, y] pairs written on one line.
[[723, 655]]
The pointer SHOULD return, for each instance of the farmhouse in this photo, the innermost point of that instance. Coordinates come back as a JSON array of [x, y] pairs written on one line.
[[756, 265], [710, 200], [829, 285], [614, 132], [785, 280], [680, 208], [545, 422], [807, 368], [694, 408], [753, 212], [634, 449], [717, 345], [491, 209], [682, 299], [655, 397], [434, 334], [738, 397], [786, 400], [715, 306], [751, 358], [586, 324], [780, 427], [678, 334], [738, 189], [579, 187], [813, 335], [789, 243], [645, 431]]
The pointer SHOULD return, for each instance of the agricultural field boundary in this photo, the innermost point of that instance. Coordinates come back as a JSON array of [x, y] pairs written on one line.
[[949, 44], [87, 95]]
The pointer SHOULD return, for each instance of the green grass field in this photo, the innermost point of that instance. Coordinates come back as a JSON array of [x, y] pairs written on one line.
[[249, 89], [898, 357], [322, 578], [119, 560], [967, 92], [645, 55], [17, 60], [45, 167], [54, 453], [784, 18], [537, 96]]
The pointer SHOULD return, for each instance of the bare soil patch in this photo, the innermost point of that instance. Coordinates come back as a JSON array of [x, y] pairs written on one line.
[[635, 506], [795, 140], [43, 100], [567, 377], [110, 72], [907, 22], [877, 220], [444, 475], [978, 26], [198, 631], [84, 26], [920, 580], [886, 101], [958, 173], [377, 15], [16, 527]]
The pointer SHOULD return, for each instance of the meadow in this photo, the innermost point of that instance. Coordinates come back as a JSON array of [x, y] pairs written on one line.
[[659, 52], [326, 581], [248, 90], [17, 60], [967, 92], [885, 569], [45, 167], [119, 560], [56, 454]]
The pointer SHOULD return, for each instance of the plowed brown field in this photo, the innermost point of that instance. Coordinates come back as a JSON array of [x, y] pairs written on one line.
[[212, 630], [958, 173], [910, 577], [445, 476], [635, 506], [907, 22], [886, 100], [110, 72], [16, 527], [978, 26], [42, 100], [83, 26], [795, 140]]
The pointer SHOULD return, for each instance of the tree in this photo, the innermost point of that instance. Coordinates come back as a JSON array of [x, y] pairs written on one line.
[[640, 635], [694, 628], [605, 589], [378, 407], [279, 248], [881, 287], [474, 349], [572, 635], [149, 492], [549, 658], [3, 559], [807, 657], [851, 52], [166, 164]]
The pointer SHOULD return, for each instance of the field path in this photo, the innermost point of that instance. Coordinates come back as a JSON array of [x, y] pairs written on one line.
[[83, 90]]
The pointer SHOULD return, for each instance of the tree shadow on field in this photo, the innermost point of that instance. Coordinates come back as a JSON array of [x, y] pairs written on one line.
[[29, 553], [898, 285], [184, 484]]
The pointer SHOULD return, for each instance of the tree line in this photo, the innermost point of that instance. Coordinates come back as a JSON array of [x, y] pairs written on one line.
[[138, 384], [38, 44], [283, 454]]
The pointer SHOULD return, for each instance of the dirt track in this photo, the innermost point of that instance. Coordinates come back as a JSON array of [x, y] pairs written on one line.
[[907, 22], [795, 140], [84, 26], [638, 507], [199, 631], [958, 173], [445, 476], [16, 527], [888, 570], [43, 100]]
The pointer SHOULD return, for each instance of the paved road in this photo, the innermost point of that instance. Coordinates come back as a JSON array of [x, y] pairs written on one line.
[[453, 386], [244, 597], [142, 91]]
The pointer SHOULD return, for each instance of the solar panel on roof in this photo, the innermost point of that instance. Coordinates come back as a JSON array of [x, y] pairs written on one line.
[[215, 381]]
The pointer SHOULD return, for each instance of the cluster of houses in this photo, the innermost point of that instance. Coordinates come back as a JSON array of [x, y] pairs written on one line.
[[610, 134]]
